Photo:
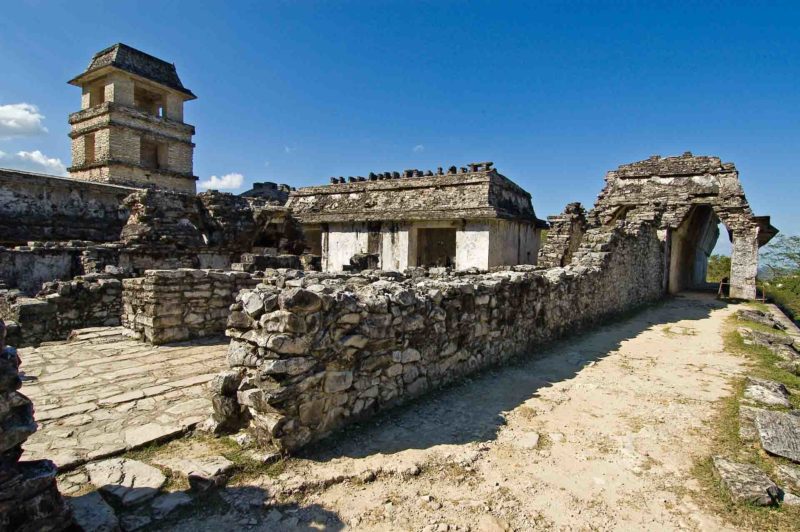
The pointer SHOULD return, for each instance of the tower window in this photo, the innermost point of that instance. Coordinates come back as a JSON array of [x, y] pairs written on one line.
[[148, 102], [88, 149], [153, 155], [97, 95]]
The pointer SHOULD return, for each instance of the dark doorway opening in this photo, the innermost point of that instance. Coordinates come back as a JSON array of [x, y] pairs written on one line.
[[691, 245], [436, 247]]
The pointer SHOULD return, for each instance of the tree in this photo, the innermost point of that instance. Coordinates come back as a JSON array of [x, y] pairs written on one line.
[[782, 255], [719, 266]]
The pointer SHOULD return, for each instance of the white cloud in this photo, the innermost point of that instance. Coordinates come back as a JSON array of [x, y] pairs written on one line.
[[418, 148], [33, 161], [20, 120], [227, 182], [288, 149]]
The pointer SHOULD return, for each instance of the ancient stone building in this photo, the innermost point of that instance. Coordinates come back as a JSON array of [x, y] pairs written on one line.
[[687, 197], [130, 129], [473, 217]]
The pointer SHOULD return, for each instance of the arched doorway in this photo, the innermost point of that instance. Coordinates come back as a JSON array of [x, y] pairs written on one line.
[[691, 243]]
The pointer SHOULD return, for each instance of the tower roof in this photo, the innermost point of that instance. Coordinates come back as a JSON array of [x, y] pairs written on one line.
[[136, 62]]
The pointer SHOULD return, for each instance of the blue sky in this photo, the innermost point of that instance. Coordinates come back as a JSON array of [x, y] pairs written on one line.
[[555, 93]]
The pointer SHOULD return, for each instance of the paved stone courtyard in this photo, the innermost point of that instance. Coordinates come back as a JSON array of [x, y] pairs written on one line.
[[102, 393]]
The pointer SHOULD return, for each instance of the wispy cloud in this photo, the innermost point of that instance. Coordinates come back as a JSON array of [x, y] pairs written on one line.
[[33, 161], [20, 120], [288, 149], [418, 148], [230, 181]]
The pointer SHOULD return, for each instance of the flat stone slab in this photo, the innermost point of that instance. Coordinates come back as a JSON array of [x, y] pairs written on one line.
[[747, 423], [746, 483], [767, 392], [779, 433], [128, 481], [164, 505], [203, 473], [101, 394], [789, 476], [91, 512]]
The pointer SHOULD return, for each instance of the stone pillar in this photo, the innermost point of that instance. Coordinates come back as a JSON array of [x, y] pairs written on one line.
[[744, 263], [29, 498]]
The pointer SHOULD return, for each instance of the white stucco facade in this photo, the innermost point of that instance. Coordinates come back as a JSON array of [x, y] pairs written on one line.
[[478, 243]]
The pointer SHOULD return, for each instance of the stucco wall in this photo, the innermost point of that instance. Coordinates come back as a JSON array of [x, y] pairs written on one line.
[[394, 246], [512, 243], [472, 246], [341, 242]]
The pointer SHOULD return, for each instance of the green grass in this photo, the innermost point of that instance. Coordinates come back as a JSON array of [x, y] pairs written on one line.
[[726, 442]]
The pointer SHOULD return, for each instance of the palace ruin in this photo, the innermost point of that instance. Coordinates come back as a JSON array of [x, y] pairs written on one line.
[[344, 299]]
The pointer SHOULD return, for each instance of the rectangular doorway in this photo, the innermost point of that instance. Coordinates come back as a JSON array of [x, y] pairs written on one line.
[[436, 247]]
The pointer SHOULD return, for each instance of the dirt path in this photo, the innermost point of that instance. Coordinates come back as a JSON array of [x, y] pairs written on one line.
[[620, 415]]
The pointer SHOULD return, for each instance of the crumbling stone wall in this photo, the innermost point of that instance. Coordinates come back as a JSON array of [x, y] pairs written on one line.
[[28, 267], [173, 305], [29, 498], [563, 237], [312, 352], [42, 207], [168, 230], [93, 300]]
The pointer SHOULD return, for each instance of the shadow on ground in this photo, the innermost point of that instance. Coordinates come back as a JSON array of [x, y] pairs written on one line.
[[472, 410], [233, 508]]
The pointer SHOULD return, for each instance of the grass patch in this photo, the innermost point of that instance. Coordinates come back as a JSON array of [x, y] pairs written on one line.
[[679, 330], [726, 441]]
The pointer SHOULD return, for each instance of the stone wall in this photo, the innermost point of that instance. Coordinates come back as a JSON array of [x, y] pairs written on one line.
[[563, 237], [42, 207], [312, 352], [92, 300], [174, 305], [28, 267], [29, 498]]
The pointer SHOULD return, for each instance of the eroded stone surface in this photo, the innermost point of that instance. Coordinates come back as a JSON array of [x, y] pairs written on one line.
[[747, 483], [789, 476], [128, 481], [767, 392], [780, 433]]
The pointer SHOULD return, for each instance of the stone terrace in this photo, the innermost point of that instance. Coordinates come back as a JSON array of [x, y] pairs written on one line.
[[102, 393]]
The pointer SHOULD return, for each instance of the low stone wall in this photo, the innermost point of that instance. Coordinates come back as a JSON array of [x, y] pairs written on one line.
[[312, 352], [174, 305], [93, 300], [28, 267]]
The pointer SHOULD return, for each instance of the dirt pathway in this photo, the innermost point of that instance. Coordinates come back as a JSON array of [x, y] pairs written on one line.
[[620, 414]]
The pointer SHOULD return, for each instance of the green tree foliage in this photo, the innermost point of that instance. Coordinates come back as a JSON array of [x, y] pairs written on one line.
[[782, 255], [719, 266]]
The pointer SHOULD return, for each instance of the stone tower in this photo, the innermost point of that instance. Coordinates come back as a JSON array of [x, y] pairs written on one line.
[[130, 129]]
